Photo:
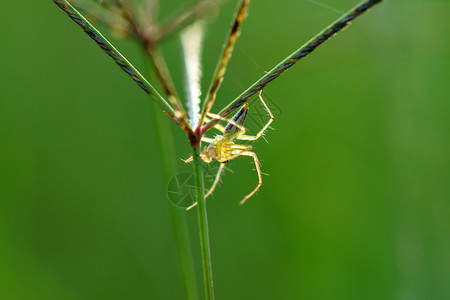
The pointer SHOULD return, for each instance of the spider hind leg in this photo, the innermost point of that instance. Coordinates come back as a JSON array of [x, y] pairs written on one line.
[[258, 171]]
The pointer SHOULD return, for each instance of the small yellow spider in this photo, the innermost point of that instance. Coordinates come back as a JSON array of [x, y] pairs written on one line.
[[223, 148]]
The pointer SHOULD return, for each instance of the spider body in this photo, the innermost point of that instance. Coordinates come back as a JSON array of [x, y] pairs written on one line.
[[220, 150], [224, 148]]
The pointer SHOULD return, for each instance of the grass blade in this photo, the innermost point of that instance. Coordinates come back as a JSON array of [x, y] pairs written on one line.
[[109, 49], [225, 58], [289, 61]]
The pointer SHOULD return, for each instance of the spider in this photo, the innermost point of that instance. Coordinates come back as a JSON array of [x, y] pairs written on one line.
[[223, 148]]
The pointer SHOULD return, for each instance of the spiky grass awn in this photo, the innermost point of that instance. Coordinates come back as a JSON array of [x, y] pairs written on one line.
[[223, 147]]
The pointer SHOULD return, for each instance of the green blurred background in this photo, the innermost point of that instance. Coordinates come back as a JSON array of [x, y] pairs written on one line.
[[357, 202]]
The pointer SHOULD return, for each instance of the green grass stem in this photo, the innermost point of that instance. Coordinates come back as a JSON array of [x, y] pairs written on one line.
[[203, 225]]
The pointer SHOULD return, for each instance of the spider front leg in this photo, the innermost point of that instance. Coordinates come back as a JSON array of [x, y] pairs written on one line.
[[217, 126], [261, 132], [258, 171], [230, 121]]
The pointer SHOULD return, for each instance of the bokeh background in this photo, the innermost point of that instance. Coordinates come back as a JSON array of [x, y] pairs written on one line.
[[357, 202]]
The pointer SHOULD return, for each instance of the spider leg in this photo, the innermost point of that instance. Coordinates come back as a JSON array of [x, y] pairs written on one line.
[[258, 171], [207, 139], [216, 180], [259, 134], [219, 117], [217, 126], [241, 147]]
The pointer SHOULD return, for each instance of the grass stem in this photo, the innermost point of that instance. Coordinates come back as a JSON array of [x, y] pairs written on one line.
[[203, 225]]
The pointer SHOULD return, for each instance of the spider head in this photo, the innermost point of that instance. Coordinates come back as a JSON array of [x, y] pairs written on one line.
[[205, 155]]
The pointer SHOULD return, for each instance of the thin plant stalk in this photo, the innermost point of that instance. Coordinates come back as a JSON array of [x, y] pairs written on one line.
[[203, 224], [227, 52], [297, 55], [191, 40], [162, 71]]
